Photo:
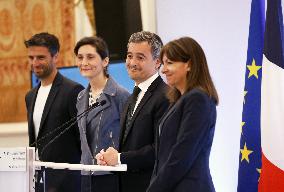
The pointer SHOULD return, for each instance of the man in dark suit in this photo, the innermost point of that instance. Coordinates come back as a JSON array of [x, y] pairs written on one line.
[[49, 105], [141, 115]]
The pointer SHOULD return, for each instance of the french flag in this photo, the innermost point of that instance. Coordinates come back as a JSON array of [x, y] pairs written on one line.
[[272, 102]]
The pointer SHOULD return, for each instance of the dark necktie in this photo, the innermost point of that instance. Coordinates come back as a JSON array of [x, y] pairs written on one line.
[[135, 94], [130, 111]]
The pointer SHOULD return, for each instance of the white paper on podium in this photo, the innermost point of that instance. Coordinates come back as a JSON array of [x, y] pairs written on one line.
[[14, 176], [13, 159]]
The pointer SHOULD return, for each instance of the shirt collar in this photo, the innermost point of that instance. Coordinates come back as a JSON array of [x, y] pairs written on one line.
[[146, 84]]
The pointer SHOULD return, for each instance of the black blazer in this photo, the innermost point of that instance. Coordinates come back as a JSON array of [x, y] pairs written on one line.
[[60, 107], [137, 151], [186, 135]]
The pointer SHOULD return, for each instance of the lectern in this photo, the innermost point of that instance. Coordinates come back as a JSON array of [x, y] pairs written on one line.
[[18, 167]]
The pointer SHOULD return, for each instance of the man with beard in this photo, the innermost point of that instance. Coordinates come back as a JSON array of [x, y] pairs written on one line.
[[49, 105], [139, 121]]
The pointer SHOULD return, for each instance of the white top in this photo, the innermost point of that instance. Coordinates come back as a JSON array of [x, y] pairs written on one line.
[[41, 98], [144, 87]]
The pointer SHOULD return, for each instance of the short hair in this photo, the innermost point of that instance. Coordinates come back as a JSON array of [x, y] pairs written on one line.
[[153, 40], [96, 42], [44, 39]]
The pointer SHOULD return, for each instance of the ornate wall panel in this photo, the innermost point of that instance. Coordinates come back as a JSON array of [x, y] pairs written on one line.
[[19, 20]]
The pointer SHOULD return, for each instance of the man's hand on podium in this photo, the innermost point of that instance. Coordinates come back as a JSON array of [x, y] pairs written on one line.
[[108, 157]]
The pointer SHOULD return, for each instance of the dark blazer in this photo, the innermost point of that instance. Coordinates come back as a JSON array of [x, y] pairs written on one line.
[[137, 151], [186, 135], [60, 107]]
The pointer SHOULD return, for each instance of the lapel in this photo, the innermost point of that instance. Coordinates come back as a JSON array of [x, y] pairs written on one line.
[[142, 103], [171, 109], [123, 119], [51, 96], [82, 105]]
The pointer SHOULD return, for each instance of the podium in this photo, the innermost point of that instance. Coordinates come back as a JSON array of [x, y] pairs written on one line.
[[18, 167]]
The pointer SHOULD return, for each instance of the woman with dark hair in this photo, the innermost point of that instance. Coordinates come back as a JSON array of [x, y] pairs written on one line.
[[100, 128], [186, 131]]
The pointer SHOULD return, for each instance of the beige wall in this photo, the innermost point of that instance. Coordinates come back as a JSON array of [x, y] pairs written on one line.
[[14, 134]]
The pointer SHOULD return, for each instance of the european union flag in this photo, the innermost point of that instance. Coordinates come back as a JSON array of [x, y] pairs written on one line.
[[250, 143]]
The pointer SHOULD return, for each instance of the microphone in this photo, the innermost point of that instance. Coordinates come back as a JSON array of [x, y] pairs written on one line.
[[76, 118]]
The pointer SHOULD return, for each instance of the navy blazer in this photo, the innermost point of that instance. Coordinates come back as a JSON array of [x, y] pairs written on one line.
[[105, 121], [138, 149], [186, 135]]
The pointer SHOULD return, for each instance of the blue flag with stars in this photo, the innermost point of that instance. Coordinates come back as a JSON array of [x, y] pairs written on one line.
[[250, 142]]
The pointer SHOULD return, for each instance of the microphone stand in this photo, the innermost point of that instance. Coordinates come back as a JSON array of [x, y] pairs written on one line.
[[57, 136], [78, 117], [36, 143]]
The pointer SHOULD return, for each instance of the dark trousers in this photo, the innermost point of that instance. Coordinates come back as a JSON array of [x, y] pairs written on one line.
[[134, 181], [57, 180], [99, 183]]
